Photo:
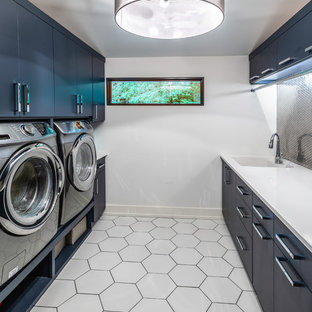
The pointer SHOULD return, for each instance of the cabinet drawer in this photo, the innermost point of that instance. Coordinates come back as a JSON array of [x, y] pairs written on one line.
[[290, 292], [245, 214], [243, 192], [263, 214], [243, 243], [295, 252]]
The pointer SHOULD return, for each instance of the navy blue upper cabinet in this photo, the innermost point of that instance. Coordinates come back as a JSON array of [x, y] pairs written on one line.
[[98, 89], [8, 57], [36, 64], [73, 78], [65, 80]]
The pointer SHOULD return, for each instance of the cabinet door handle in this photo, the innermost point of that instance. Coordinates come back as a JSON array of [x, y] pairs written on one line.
[[96, 111], [26, 98], [17, 93], [242, 191], [292, 282], [81, 104], [101, 166], [242, 215], [254, 78], [241, 245], [259, 214], [294, 256], [286, 60], [256, 227], [97, 186], [77, 104], [268, 70], [308, 49]]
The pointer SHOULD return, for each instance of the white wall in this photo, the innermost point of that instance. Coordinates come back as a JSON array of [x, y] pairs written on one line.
[[162, 159]]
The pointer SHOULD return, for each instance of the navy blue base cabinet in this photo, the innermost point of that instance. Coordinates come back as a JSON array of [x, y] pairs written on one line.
[[99, 190]]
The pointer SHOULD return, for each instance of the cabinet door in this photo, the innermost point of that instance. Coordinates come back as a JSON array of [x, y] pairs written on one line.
[[99, 193], [84, 80], [290, 292], [98, 90], [8, 57], [255, 68], [268, 63], [36, 63], [263, 264], [65, 76]]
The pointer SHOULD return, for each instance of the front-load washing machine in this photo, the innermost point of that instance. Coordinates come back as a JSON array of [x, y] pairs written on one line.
[[78, 153], [31, 181]]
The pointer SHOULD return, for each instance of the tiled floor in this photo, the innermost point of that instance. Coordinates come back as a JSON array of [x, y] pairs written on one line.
[[153, 265]]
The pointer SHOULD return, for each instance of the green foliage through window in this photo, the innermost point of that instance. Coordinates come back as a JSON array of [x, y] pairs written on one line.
[[163, 92]]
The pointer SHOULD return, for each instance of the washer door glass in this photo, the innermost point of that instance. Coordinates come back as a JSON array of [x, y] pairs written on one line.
[[31, 190], [84, 162]]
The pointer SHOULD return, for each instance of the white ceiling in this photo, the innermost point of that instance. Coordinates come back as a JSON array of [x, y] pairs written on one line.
[[247, 24]]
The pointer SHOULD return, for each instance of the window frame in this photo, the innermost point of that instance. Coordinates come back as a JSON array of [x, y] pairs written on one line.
[[109, 89]]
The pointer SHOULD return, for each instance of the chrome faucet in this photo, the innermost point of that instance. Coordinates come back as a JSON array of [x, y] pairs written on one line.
[[278, 158]]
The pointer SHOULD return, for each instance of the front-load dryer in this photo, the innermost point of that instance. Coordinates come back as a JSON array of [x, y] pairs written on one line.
[[31, 181], [78, 153]]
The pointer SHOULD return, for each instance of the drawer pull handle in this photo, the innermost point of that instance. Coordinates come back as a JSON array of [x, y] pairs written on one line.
[[256, 227], [308, 49], [241, 245], [254, 77], [286, 60], [101, 166], [293, 283], [279, 238], [259, 214], [268, 70], [242, 191], [242, 215]]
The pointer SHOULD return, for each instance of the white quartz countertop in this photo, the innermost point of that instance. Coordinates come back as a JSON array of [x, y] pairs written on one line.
[[286, 191]]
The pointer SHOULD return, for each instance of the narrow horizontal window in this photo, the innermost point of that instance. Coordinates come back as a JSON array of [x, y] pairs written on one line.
[[155, 91]]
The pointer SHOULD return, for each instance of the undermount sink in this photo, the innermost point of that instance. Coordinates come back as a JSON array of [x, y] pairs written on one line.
[[260, 162]]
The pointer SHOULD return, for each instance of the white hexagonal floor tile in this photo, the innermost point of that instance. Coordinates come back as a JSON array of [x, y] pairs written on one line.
[[233, 258], [103, 225], [145, 218], [164, 222], [185, 299], [219, 221], [186, 256], [96, 237], [57, 293], [184, 220], [220, 289], [119, 231], [134, 253], [139, 238], [215, 267], [128, 272], [94, 282], [152, 305], [222, 229], [142, 226], [211, 249], [86, 251], [185, 228], [158, 264], [113, 244], [227, 242], [185, 240], [104, 216], [43, 309], [208, 235], [104, 261], [248, 302], [163, 233], [240, 278], [73, 269], [120, 297], [205, 224], [161, 247], [156, 286], [125, 220], [224, 307], [82, 303], [187, 275]]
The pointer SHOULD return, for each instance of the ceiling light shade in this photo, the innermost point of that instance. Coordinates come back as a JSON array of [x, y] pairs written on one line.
[[169, 19]]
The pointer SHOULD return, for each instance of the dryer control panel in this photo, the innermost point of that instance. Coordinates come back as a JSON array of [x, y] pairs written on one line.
[[73, 127]]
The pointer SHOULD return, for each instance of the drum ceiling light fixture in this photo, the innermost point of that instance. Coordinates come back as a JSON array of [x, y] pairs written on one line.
[[169, 19]]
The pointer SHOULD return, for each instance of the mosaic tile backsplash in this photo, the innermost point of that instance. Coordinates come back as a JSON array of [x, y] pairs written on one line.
[[294, 119]]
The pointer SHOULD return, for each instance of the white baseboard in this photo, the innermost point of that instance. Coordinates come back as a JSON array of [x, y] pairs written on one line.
[[156, 211]]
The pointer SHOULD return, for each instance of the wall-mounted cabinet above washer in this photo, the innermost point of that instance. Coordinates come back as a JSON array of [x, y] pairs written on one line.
[[45, 71], [287, 52]]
